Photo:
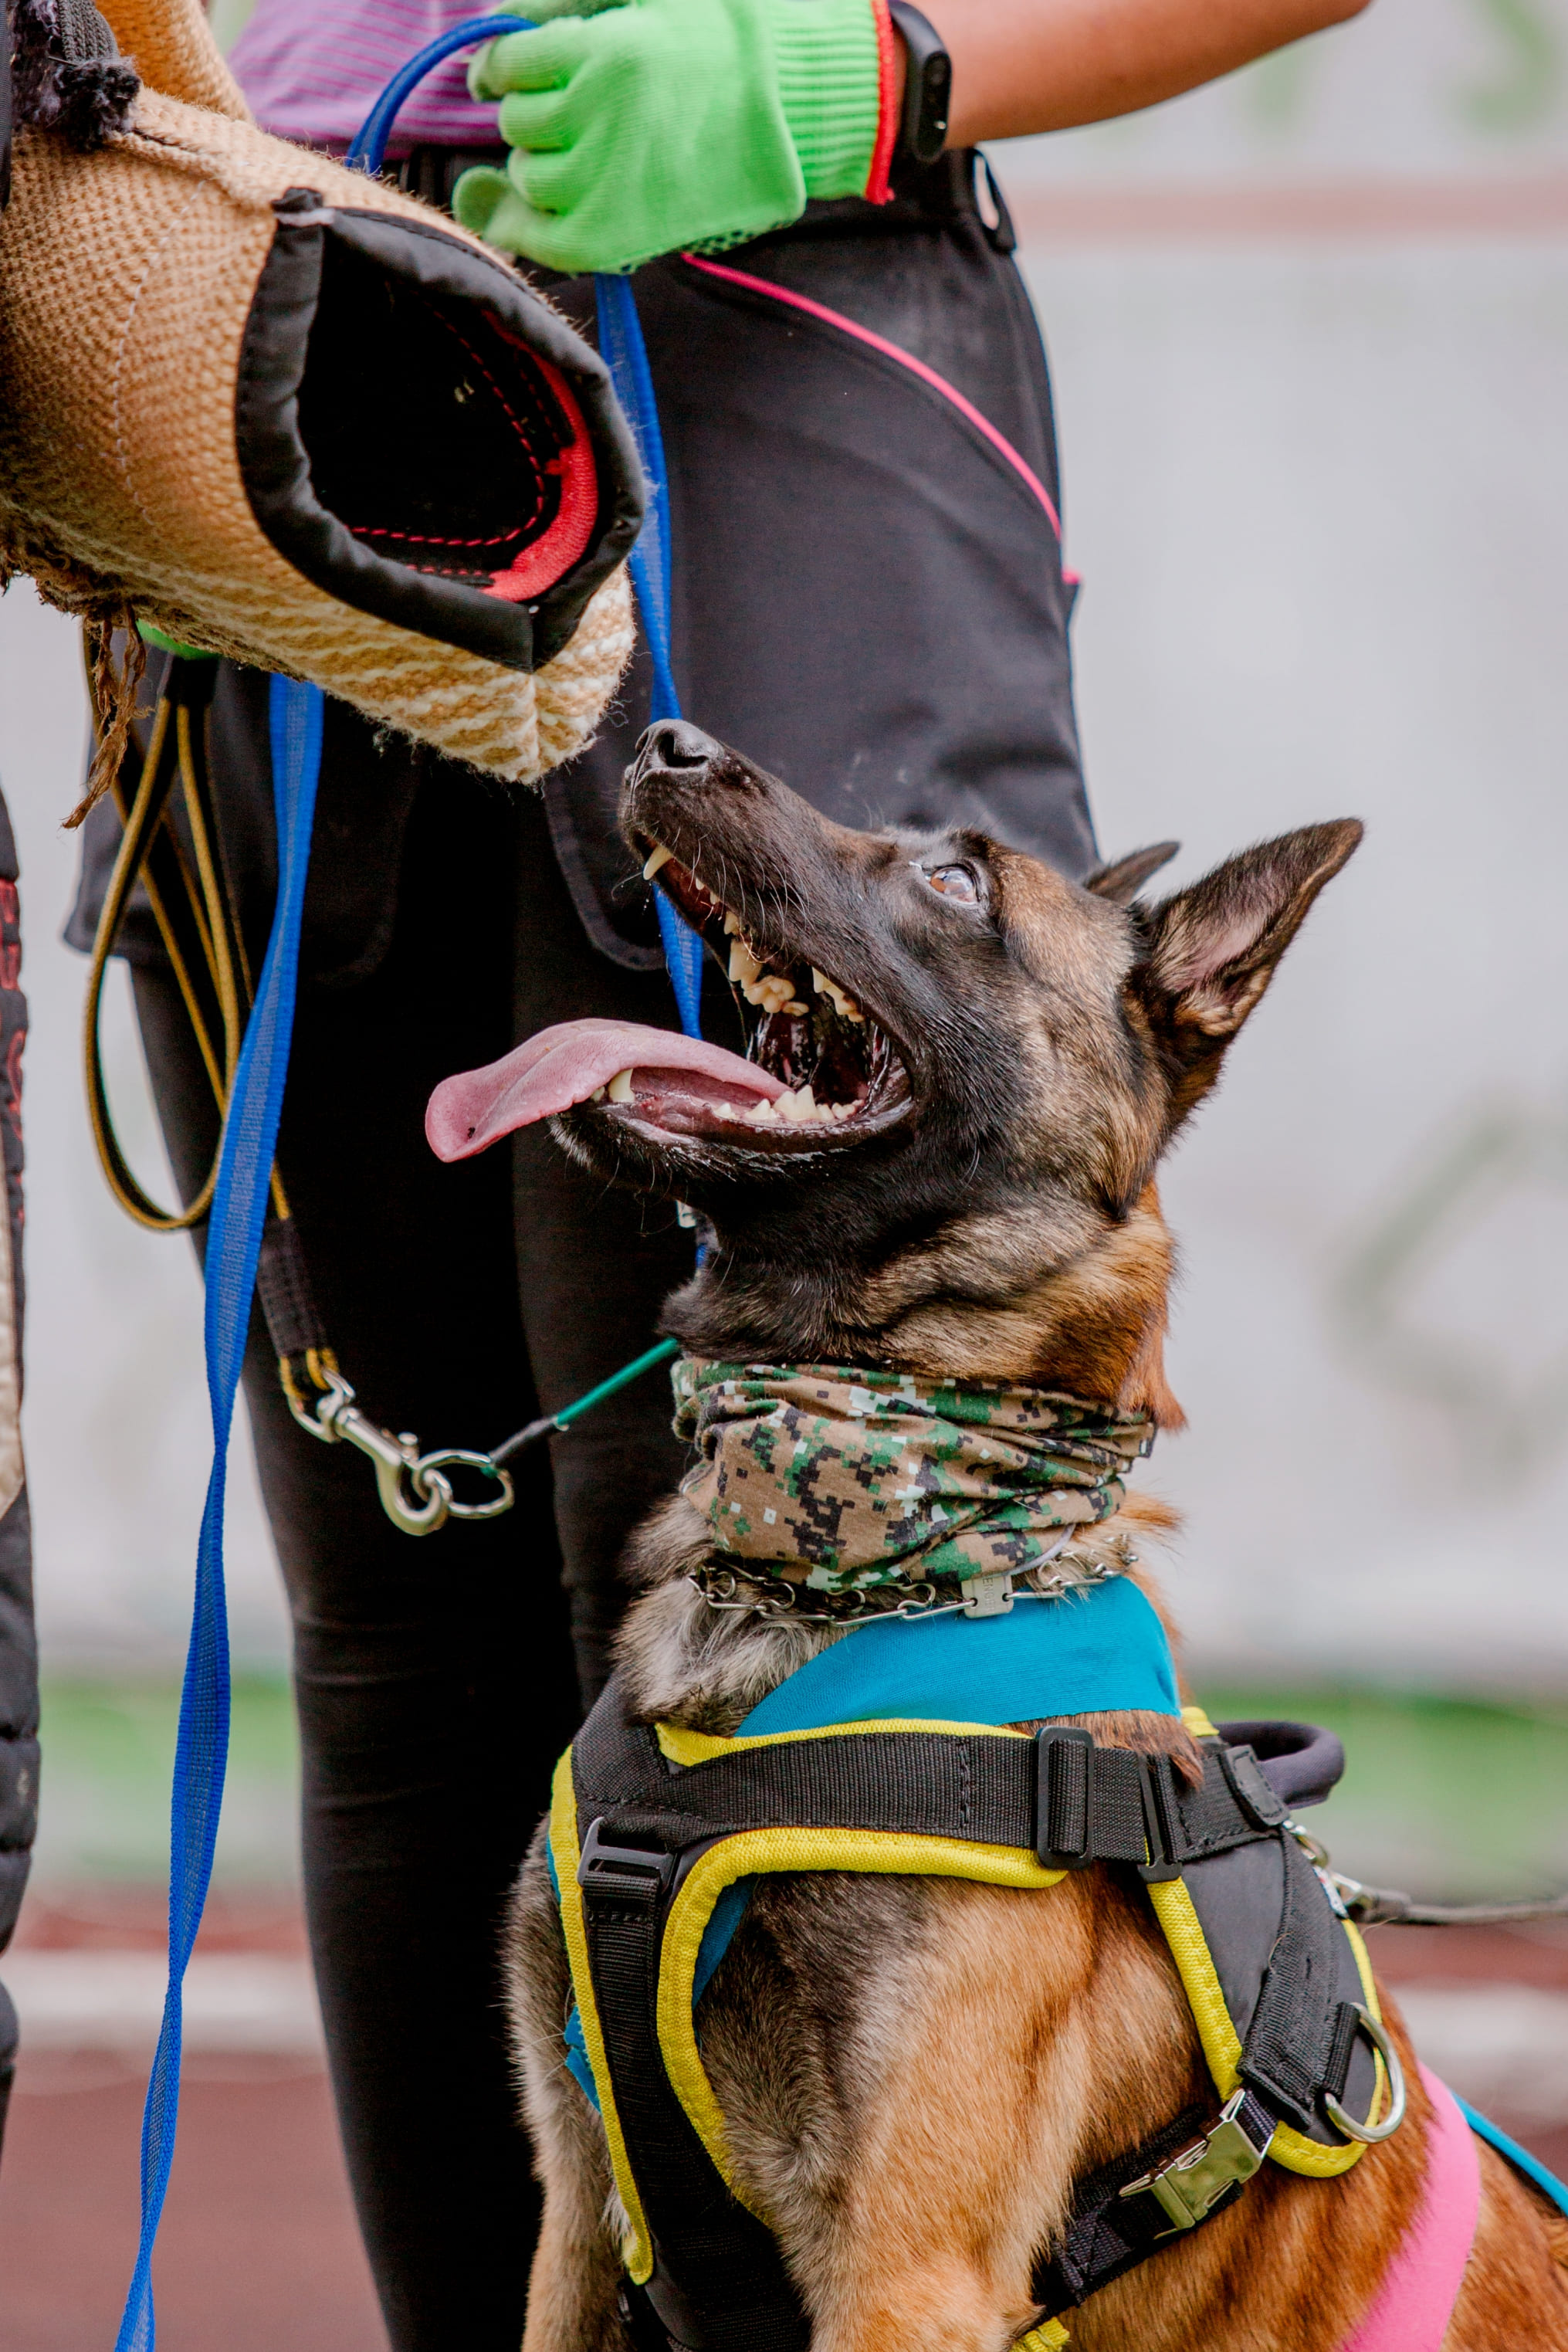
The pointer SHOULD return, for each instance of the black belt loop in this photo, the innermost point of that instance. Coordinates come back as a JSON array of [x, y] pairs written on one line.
[[1162, 1821], [1003, 236], [1089, 1802], [1064, 1762]]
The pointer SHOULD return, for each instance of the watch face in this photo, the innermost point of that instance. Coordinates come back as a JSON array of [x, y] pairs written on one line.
[[928, 85], [937, 89]]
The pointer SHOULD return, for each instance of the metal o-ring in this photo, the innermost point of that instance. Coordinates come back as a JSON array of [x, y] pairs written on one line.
[[1369, 2132]]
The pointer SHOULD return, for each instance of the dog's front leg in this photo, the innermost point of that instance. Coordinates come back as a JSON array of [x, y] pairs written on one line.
[[573, 2288]]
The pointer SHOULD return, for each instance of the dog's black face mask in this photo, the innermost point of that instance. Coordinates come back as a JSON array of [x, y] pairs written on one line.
[[957, 1069]]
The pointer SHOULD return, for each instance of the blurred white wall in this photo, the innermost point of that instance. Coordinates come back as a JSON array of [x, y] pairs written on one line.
[[1310, 335]]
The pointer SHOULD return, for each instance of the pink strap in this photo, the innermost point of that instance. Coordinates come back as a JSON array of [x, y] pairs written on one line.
[[1421, 2284], [965, 408]]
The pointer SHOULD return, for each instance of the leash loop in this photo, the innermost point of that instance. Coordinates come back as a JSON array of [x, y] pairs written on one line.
[[432, 1467]]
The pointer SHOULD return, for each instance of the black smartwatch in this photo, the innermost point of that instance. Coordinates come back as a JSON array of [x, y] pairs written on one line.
[[927, 84]]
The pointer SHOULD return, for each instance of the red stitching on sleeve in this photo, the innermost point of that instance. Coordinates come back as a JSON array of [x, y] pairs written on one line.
[[877, 191]]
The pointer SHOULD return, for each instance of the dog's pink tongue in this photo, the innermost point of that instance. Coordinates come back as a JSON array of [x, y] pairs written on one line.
[[566, 1065]]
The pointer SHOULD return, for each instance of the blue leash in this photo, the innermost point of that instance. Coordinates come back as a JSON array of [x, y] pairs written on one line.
[[234, 1243], [625, 353], [239, 1201]]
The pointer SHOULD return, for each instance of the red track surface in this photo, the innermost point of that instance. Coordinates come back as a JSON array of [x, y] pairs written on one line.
[[258, 2252]]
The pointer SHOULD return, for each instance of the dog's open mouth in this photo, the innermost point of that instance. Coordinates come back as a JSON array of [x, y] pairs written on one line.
[[836, 1066], [819, 1071]]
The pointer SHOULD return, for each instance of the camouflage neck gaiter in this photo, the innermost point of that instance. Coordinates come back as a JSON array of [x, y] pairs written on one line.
[[863, 1478]]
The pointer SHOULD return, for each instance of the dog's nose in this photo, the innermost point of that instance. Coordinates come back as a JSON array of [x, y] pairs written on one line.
[[672, 743]]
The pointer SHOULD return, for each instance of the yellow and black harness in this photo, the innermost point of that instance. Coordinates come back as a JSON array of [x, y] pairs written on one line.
[[651, 1825]]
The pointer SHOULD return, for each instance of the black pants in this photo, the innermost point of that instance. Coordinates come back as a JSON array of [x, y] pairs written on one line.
[[445, 919]]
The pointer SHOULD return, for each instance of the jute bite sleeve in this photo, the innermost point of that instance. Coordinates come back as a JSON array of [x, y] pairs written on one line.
[[189, 317]]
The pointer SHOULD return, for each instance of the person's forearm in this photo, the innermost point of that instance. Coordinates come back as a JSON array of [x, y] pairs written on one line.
[[1044, 65]]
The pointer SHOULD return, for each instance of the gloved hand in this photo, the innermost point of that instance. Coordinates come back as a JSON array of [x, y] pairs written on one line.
[[646, 125]]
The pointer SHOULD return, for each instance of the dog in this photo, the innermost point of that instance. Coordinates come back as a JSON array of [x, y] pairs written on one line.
[[938, 1157]]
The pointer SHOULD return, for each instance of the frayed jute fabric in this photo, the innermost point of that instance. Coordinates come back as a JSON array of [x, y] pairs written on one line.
[[854, 1479], [174, 51], [127, 279]]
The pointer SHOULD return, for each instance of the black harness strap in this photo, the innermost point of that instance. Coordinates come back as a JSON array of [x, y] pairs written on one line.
[[719, 2283], [1057, 1795], [1302, 2031], [1118, 2220]]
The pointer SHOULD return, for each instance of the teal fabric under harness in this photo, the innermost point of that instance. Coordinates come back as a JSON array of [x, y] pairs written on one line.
[[1097, 1649]]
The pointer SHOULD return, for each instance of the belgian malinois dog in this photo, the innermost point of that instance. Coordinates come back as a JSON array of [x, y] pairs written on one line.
[[939, 1156]]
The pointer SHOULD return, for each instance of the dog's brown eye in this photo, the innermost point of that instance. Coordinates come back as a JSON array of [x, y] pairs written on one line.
[[955, 882]]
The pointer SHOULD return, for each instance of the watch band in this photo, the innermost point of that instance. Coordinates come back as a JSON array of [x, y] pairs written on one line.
[[927, 84]]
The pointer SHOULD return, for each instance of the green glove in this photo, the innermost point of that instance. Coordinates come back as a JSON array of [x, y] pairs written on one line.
[[647, 125]]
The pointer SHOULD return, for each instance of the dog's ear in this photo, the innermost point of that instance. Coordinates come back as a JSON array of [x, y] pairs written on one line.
[[1211, 950], [1121, 882]]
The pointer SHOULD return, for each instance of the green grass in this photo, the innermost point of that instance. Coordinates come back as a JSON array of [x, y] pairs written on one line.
[[1443, 1797], [109, 1757], [1440, 1796]]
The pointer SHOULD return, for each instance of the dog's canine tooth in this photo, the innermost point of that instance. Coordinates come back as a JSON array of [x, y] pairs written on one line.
[[597, 1096], [661, 857], [841, 1000], [743, 965], [621, 1087]]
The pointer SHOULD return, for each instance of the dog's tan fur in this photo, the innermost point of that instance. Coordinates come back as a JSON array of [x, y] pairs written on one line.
[[913, 2072]]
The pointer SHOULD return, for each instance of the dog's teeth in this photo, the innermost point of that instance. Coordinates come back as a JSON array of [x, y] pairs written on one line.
[[841, 1003], [843, 1110], [621, 1087], [661, 857], [597, 1096], [731, 923], [763, 1116], [743, 965], [772, 991], [800, 1107], [794, 1006]]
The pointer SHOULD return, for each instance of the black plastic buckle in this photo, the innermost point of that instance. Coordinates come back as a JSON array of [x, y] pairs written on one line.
[[622, 1874]]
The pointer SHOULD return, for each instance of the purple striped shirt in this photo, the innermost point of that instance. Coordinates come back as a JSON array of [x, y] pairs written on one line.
[[313, 68]]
